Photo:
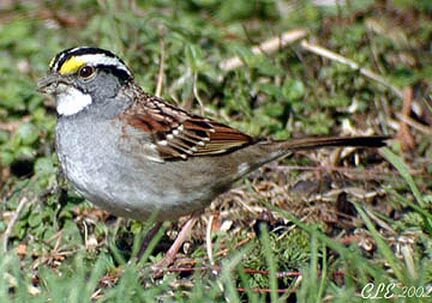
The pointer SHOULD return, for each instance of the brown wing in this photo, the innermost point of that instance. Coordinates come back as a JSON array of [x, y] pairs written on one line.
[[177, 134]]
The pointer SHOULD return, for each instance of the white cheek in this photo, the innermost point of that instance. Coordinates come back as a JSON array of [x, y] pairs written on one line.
[[72, 101]]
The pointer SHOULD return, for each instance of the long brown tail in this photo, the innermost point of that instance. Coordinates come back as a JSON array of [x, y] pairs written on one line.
[[268, 151], [314, 143]]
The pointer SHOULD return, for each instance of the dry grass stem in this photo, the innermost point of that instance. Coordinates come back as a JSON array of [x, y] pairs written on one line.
[[12, 222], [209, 246], [406, 139], [427, 130], [196, 94], [161, 72], [321, 51], [269, 46]]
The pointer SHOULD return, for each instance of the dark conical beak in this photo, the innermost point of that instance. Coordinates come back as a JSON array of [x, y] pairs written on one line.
[[48, 84]]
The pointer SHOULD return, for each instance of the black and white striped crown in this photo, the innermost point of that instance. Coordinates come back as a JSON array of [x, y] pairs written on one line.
[[71, 60]]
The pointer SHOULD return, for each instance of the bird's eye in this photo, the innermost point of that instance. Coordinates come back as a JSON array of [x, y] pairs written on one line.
[[86, 72]]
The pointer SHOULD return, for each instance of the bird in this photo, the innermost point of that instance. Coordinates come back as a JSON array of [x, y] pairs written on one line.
[[139, 156]]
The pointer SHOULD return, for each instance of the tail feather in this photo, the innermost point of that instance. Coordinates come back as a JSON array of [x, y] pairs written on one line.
[[314, 143], [283, 148], [268, 151]]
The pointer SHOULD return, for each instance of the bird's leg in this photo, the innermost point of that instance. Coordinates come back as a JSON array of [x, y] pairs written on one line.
[[147, 239], [184, 234]]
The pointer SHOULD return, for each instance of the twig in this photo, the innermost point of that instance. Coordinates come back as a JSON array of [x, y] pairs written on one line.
[[269, 46], [239, 244], [161, 73], [209, 240], [12, 222], [319, 50], [406, 140], [195, 92], [380, 222], [414, 124]]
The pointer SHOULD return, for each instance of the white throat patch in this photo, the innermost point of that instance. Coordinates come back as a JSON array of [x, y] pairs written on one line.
[[71, 101]]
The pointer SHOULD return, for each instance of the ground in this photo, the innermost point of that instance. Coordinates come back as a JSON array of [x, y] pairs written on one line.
[[321, 226]]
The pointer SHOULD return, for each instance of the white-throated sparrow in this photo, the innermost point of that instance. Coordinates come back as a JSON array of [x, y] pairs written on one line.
[[137, 155]]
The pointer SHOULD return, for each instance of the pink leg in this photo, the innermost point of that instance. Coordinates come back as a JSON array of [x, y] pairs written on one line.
[[175, 247]]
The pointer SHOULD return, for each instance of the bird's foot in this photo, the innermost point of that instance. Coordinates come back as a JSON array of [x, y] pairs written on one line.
[[160, 267]]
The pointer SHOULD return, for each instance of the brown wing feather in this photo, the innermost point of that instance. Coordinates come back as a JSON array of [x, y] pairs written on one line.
[[177, 134]]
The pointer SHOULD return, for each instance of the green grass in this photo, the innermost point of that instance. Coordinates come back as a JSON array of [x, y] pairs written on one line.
[[369, 221]]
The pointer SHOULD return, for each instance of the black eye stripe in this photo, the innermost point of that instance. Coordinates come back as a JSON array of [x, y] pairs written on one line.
[[119, 73]]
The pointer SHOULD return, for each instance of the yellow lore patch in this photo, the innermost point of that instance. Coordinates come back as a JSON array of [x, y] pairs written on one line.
[[71, 66]]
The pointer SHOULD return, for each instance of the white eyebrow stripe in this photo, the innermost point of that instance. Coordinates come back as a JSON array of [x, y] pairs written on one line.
[[96, 59]]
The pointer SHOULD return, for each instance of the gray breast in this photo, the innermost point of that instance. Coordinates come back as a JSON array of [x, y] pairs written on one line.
[[97, 160]]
